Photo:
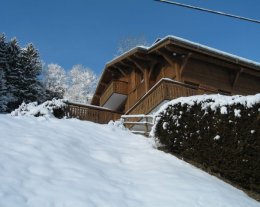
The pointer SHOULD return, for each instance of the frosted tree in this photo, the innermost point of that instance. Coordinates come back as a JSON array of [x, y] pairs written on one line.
[[55, 81], [13, 72], [19, 70], [130, 42], [3, 91], [3, 62], [30, 87], [82, 83]]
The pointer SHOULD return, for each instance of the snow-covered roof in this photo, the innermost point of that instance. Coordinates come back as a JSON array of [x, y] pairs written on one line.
[[129, 52], [202, 47], [192, 45], [89, 106]]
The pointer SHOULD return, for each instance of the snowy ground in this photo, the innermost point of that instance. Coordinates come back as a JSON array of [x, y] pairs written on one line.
[[72, 163]]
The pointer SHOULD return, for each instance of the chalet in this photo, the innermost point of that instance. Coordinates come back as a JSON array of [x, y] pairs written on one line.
[[142, 79]]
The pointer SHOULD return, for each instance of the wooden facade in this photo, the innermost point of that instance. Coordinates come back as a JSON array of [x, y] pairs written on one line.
[[145, 77]]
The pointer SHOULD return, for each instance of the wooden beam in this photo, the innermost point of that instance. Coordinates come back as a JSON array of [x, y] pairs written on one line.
[[148, 59], [103, 84], [185, 61], [252, 72], [139, 65], [237, 77], [211, 57], [146, 80], [112, 71], [127, 65], [142, 57], [120, 70], [205, 57], [151, 70], [176, 49], [166, 56]]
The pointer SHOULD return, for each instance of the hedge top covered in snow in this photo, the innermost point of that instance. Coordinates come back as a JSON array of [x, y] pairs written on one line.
[[214, 102], [209, 102]]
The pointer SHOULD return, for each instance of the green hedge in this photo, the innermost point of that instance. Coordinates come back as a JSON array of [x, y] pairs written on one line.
[[224, 138]]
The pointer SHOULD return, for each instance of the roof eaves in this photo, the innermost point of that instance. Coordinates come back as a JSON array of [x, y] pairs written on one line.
[[126, 54], [203, 48], [117, 59]]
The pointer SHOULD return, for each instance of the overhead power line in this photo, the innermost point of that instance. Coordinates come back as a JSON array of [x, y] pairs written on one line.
[[209, 11]]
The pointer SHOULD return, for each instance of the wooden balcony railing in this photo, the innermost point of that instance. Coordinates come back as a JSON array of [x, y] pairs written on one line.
[[119, 87], [90, 113], [165, 90]]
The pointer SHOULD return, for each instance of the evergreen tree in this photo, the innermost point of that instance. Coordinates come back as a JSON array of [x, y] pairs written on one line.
[[19, 70], [3, 62], [30, 88], [13, 74]]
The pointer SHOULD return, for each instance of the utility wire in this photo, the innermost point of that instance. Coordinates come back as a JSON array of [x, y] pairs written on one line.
[[209, 11]]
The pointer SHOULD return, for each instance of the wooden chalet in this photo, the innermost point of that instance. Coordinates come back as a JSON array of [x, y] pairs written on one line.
[[140, 80]]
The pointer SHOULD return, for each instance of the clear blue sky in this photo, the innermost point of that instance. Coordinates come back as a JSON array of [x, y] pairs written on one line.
[[87, 32]]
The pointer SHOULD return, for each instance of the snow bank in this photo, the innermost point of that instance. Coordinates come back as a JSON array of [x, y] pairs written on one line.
[[67, 162], [33, 109]]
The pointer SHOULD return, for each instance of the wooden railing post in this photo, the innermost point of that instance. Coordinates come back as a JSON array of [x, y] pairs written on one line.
[[146, 125]]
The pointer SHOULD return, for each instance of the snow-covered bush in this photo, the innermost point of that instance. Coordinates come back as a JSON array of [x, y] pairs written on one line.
[[220, 133], [53, 108]]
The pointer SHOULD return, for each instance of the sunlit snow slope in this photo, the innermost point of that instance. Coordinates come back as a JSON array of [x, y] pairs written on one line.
[[72, 163]]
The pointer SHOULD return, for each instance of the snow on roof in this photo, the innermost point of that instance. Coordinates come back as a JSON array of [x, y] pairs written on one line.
[[90, 105], [198, 46], [210, 49], [132, 50]]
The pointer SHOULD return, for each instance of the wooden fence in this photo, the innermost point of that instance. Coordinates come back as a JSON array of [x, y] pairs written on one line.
[[138, 123], [90, 113]]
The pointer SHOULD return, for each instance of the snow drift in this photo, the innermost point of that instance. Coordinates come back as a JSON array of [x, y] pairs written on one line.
[[57, 163]]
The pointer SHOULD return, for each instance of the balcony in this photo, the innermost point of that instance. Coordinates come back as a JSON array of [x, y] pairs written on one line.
[[115, 95], [162, 92]]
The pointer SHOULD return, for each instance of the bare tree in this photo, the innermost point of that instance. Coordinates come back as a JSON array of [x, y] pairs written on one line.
[[127, 43]]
